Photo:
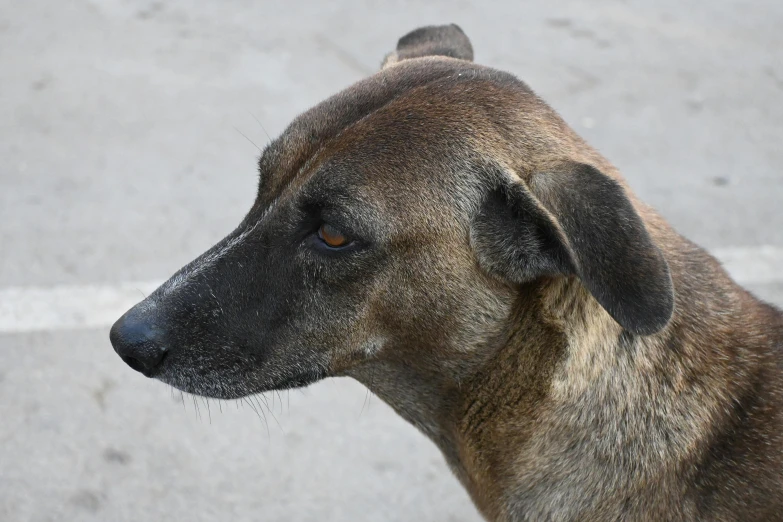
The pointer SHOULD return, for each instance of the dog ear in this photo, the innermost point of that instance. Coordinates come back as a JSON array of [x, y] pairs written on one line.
[[433, 40], [576, 220]]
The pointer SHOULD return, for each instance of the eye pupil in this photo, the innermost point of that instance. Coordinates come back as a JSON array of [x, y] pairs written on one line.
[[331, 236]]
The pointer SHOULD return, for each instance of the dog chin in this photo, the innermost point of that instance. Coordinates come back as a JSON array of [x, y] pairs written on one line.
[[227, 388], [204, 387]]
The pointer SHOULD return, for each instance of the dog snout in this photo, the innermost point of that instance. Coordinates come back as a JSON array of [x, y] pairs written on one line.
[[138, 340]]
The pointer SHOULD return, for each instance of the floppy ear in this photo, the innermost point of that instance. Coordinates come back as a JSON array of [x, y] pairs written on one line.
[[576, 220], [433, 40]]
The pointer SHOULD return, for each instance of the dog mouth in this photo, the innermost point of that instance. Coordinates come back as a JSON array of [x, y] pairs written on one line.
[[236, 384]]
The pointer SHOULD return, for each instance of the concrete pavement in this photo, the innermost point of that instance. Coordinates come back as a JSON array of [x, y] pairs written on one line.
[[122, 134]]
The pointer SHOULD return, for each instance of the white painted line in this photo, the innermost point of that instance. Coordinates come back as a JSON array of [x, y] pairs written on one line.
[[31, 309]]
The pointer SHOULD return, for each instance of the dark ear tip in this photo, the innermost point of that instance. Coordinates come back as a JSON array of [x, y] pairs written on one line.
[[652, 323], [653, 311], [436, 40], [458, 28], [432, 32]]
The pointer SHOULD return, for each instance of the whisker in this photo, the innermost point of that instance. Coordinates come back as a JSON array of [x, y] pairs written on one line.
[[266, 423], [195, 407], [272, 413], [263, 398], [365, 402], [366, 395], [248, 139], [261, 125], [369, 389]]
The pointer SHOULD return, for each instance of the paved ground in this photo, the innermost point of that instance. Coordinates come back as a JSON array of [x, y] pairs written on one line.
[[122, 153]]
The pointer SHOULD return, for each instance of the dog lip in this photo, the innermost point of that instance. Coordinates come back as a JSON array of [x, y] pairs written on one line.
[[230, 388]]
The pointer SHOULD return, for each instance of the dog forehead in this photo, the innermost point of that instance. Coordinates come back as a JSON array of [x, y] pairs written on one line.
[[388, 105], [402, 160]]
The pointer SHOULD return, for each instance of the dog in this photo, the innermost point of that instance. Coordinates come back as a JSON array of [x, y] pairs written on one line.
[[437, 232]]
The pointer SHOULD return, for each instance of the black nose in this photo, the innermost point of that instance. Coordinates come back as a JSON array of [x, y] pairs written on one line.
[[138, 341]]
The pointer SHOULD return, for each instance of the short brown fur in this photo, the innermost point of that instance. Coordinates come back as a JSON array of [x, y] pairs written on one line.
[[545, 406]]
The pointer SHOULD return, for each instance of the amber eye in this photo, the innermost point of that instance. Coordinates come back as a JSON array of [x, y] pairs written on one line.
[[331, 236]]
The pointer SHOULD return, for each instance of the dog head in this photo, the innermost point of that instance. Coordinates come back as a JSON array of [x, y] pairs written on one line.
[[400, 218]]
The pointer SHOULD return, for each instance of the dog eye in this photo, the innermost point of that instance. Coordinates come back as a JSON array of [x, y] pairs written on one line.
[[332, 237]]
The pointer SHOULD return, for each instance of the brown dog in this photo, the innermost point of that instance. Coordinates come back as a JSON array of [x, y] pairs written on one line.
[[437, 232]]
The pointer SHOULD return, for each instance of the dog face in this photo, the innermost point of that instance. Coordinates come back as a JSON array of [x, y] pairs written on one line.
[[398, 220]]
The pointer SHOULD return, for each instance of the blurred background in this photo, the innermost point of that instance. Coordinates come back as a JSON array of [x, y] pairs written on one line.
[[128, 136]]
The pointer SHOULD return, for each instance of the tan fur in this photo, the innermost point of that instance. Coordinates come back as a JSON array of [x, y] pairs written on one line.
[[639, 417], [544, 406]]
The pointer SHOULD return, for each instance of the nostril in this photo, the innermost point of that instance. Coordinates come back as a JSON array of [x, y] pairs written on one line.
[[133, 363]]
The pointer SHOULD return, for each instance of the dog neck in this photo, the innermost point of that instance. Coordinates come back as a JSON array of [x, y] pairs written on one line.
[[526, 425], [481, 411]]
